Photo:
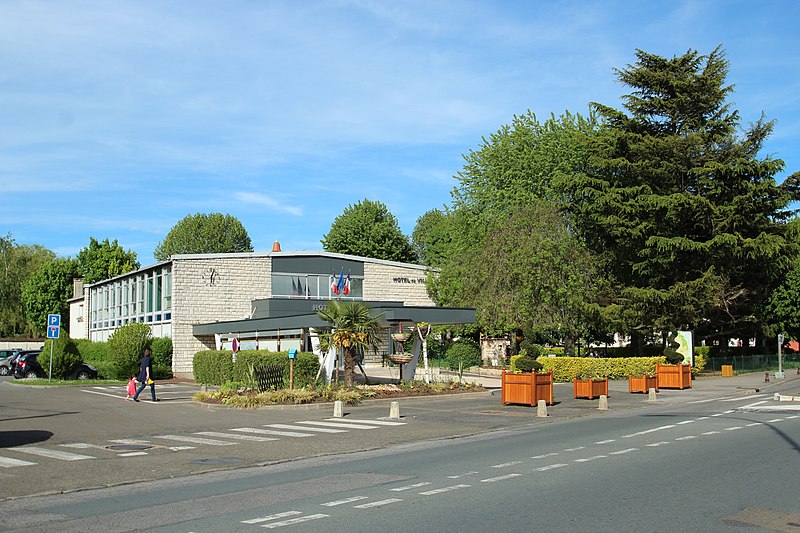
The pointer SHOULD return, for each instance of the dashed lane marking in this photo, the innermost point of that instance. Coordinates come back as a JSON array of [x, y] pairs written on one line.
[[657, 444], [273, 432], [195, 440], [8, 462], [377, 504], [373, 422], [607, 441], [575, 449], [687, 437], [314, 430], [542, 456], [444, 489], [645, 432], [587, 459], [344, 501], [626, 450], [463, 475], [409, 487], [500, 478], [271, 517], [293, 521], [342, 425], [549, 467], [503, 465]]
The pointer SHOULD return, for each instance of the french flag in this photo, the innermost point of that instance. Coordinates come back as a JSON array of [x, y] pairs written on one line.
[[346, 289]]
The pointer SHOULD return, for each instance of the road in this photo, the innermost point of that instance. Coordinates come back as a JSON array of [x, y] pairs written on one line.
[[691, 463]]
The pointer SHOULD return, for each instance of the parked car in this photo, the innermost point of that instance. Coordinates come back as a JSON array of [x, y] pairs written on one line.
[[8, 364], [5, 361], [28, 367]]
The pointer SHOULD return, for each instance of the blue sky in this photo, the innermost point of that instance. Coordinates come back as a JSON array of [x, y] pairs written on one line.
[[119, 118]]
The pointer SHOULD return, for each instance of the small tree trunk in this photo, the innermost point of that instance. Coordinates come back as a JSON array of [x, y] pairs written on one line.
[[349, 367]]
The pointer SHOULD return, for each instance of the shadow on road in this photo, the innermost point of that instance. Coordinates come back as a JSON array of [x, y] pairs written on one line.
[[10, 439]]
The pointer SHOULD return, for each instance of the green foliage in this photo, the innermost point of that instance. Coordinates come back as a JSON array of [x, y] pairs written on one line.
[[65, 356], [17, 265], [700, 359], [104, 260], [46, 292], [215, 367], [204, 233], [671, 349], [524, 363], [353, 328], [432, 238], [127, 345], [369, 229], [162, 357], [566, 369], [463, 354]]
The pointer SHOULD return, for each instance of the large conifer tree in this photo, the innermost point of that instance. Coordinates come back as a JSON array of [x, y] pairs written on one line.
[[686, 217]]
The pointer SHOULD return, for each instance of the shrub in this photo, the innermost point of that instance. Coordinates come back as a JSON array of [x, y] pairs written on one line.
[[162, 357], [65, 356], [567, 368], [93, 352], [524, 363], [700, 359], [462, 354], [126, 345], [215, 367]]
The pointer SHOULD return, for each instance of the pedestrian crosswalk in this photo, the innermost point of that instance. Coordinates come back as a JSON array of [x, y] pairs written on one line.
[[22, 456]]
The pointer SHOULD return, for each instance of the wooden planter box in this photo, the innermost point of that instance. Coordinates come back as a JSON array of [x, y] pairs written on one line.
[[642, 383], [590, 388], [674, 376], [527, 388]]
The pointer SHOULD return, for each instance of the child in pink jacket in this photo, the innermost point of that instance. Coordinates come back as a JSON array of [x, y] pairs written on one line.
[[131, 387]]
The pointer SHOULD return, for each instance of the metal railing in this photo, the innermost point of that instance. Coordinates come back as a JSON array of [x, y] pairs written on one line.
[[752, 363]]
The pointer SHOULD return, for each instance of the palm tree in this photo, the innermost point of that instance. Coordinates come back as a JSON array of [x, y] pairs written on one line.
[[352, 328]]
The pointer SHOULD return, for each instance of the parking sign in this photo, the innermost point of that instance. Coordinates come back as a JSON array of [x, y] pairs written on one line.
[[53, 326]]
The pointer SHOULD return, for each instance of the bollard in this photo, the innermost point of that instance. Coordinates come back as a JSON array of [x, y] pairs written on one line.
[[541, 409], [766, 377], [394, 410], [337, 409], [651, 394], [603, 405]]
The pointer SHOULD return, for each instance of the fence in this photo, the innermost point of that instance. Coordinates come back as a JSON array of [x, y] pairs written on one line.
[[752, 363]]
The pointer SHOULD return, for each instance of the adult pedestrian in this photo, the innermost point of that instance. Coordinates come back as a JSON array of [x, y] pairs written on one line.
[[146, 375]]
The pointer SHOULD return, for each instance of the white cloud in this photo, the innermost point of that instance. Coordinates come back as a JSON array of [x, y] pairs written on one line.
[[264, 200]]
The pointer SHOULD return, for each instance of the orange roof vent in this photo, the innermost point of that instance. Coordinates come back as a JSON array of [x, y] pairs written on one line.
[[276, 246]]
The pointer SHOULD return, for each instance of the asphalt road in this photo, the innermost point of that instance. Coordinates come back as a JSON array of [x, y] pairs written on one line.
[[579, 468]]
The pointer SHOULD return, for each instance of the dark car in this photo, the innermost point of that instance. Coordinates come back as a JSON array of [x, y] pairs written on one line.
[[5, 361], [28, 367], [8, 364]]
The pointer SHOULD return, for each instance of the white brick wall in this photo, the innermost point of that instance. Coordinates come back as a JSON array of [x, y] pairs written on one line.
[[394, 283], [238, 281]]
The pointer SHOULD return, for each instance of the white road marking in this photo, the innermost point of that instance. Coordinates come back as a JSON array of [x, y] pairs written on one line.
[[499, 478], [103, 394], [260, 431], [587, 459], [376, 422], [132, 454], [377, 504], [313, 430], [462, 475], [574, 449], [78, 445], [645, 432], [503, 465], [755, 424], [346, 500], [180, 448], [711, 433], [52, 454], [195, 440], [551, 454], [606, 441], [293, 521], [754, 404], [271, 517], [733, 428], [252, 438], [774, 420], [444, 489], [740, 399], [342, 425], [656, 444], [130, 441], [409, 487], [626, 450], [7, 462], [548, 467], [684, 422], [687, 437]]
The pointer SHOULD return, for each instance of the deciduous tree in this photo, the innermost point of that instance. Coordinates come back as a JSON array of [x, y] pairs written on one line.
[[103, 260], [204, 233], [47, 291]]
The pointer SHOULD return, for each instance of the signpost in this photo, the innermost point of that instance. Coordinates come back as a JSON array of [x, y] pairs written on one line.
[[53, 332], [234, 348], [779, 374], [292, 357]]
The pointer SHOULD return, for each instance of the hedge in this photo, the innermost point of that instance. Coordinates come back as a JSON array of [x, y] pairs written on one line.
[[216, 367], [566, 368]]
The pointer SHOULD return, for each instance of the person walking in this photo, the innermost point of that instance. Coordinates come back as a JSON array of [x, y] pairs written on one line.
[[146, 375], [131, 387]]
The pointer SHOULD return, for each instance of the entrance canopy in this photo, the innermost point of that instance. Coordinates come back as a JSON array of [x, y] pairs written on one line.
[[273, 314]]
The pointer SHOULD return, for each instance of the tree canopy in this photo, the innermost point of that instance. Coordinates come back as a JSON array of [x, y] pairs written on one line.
[[204, 233], [369, 229], [18, 262], [47, 291], [676, 203], [103, 260]]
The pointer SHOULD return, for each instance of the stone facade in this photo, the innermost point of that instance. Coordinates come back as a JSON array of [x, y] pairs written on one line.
[[385, 281], [212, 288]]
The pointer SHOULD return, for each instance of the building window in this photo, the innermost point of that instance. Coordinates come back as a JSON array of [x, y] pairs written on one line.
[[313, 286]]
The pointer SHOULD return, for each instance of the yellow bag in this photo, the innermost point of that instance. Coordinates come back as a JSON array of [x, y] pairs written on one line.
[[150, 381]]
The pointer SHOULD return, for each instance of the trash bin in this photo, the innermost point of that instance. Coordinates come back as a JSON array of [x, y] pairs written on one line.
[[727, 371]]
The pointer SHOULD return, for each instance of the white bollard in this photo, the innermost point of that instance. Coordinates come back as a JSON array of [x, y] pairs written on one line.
[[603, 406], [651, 394], [541, 409], [337, 409], [394, 410]]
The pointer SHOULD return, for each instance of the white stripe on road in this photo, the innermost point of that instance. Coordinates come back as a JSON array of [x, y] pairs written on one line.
[[273, 432], [376, 422], [462, 475], [7, 462], [551, 454], [132, 454], [774, 420], [315, 430], [627, 450], [503, 465], [711, 433], [687, 437], [343, 425], [606, 441], [548, 467], [346, 500], [744, 398], [293, 521], [130, 441], [52, 454], [499, 478], [685, 422], [587, 459], [251, 438], [409, 487], [195, 440], [656, 444], [444, 489], [733, 428], [575, 449], [271, 517], [377, 504], [645, 432]]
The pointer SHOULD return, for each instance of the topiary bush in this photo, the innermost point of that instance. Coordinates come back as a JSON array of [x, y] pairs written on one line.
[[65, 356], [126, 345], [523, 363], [462, 354]]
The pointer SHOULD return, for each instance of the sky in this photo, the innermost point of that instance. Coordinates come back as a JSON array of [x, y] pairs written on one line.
[[119, 118]]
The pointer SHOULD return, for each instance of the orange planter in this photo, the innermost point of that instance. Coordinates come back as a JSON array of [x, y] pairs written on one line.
[[527, 388], [642, 383], [590, 388], [674, 376]]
